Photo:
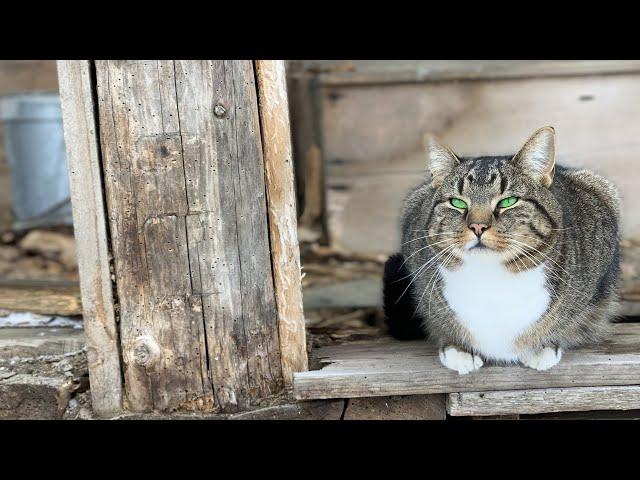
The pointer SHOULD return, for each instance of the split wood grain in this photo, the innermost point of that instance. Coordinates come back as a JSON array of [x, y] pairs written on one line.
[[77, 93], [185, 188], [281, 202], [545, 400], [403, 368]]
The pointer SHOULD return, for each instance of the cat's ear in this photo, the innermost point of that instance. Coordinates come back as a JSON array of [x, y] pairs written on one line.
[[538, 156], [440, 159]]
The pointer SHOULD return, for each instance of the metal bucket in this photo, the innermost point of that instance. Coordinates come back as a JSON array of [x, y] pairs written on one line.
[[34, 145]]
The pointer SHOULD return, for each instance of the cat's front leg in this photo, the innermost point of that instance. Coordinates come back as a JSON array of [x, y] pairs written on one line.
[[457, 359], [542, 359]]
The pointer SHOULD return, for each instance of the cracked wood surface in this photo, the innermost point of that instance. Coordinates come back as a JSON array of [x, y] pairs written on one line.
[[185, 189], [281, 200], [77, 91], [391, 367]]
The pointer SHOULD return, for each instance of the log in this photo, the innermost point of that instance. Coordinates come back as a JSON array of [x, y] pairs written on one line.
[[85, 179]]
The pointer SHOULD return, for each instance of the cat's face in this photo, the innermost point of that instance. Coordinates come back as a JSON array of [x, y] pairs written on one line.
[[501, 204]]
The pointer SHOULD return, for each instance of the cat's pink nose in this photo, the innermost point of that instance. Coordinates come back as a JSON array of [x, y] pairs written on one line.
[[478, 228]]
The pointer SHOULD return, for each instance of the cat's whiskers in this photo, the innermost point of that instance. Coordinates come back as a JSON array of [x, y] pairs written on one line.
[[510, 249], [541, 253], [422, 248], [414, 273], [520, 235], [426, 236], [444, 265], [433, 234], [558, 277], [421, 269], [548, 281]]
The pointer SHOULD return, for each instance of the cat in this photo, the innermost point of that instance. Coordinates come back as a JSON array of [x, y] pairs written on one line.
[[505, 259]]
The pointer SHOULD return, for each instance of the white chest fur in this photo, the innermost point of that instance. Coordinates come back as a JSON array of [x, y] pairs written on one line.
[[494, 304]]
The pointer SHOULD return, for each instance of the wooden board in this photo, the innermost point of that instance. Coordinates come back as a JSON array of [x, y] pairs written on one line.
[[375, 72], [34, 342], [371, 138], [281, 202], [77, 93], [544, 400], [402, 368], [185, 189], [40, 296]]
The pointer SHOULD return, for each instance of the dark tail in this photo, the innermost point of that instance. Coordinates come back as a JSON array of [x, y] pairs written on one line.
[[399, 309]]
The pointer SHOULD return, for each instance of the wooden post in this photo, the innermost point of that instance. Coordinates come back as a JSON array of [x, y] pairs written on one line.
[[206, 268], [83, 165], [285, 253]]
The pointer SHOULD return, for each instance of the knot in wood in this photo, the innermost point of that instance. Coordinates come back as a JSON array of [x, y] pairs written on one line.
[[219, 111], [145, 351]]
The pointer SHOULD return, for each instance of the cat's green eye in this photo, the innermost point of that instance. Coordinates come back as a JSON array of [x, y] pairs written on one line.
[[456, 202], [507, 202]]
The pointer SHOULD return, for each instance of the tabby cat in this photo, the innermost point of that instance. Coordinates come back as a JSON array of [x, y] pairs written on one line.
[[505, 259]]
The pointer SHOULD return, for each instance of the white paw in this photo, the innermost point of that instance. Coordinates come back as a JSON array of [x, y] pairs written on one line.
[[543, 359], [460, 361]]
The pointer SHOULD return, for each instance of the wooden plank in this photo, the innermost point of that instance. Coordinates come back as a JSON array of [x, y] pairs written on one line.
[[543, 400], [77, 92], [185, 189], [281, 202], [403, 368], [41, 296], [34, 342], [378, 72]]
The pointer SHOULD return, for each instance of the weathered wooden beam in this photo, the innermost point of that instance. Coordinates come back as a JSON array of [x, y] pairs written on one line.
[[281, 203], [77, 91], [185, 185], [401, 368], [376, 72], [41, 296], [545, 400]]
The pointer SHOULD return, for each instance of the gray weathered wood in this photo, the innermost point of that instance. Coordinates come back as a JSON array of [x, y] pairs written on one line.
[[281, 202], [543, 400], [376, 72], [46, 297], [83, 164], [33, 342], [403, 368], [185, 189]]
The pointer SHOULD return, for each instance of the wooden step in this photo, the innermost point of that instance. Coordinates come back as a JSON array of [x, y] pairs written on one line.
[[390, 367]]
